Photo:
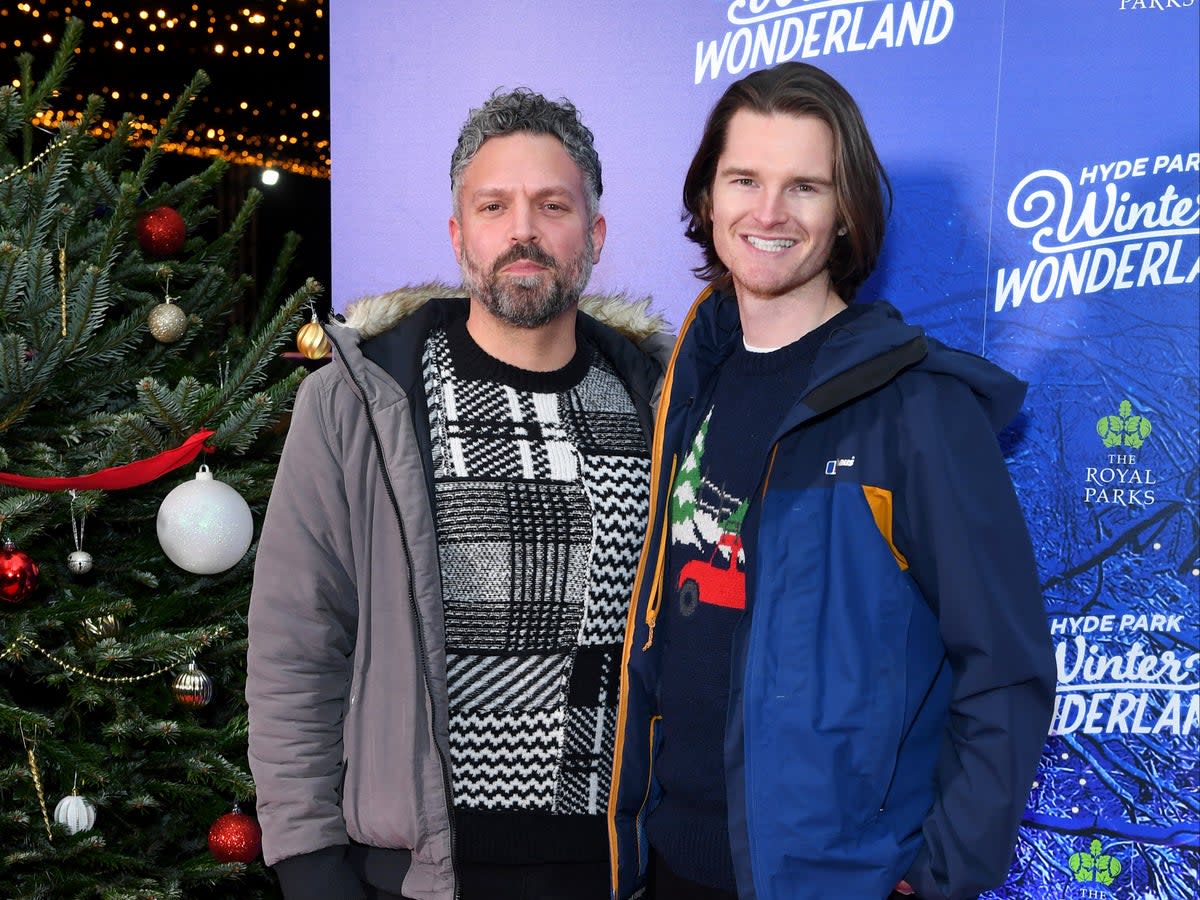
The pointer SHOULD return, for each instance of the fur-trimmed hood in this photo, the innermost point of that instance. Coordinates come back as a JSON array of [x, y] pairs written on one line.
[[373, 315]]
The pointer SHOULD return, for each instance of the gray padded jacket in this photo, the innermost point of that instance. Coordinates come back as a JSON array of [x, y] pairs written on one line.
[[346, 669]]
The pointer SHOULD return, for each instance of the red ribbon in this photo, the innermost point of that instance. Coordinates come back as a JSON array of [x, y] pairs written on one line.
[[117, 478]]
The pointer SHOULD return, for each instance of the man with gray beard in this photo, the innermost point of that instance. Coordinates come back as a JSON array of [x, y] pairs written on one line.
[[528, 301], [445, 567]]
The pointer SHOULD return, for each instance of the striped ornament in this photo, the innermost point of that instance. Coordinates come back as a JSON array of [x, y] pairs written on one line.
[[75, 814]]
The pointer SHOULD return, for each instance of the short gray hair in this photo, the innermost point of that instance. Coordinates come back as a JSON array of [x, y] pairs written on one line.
[[523, 110]]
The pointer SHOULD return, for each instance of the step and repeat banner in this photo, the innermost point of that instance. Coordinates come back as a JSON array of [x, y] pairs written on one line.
[[1046, 165]]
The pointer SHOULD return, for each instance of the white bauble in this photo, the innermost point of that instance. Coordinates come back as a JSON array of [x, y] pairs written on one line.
[[204, 525], [75, 814]]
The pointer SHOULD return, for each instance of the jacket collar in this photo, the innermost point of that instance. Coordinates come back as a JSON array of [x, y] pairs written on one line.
[[380, 344], [387, 332], [860, 356], [369, 329], [372, 316]]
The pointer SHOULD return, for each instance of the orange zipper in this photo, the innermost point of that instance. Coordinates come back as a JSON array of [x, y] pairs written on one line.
[[656, 455]]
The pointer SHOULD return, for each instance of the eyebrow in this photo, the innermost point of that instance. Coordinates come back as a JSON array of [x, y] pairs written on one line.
[[556, 190], [745, 172]]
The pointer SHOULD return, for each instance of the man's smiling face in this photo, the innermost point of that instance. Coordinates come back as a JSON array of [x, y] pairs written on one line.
[[774, 206]]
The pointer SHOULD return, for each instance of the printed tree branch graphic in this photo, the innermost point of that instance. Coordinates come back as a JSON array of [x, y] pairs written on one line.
[[1088, 826], [1135, 538]]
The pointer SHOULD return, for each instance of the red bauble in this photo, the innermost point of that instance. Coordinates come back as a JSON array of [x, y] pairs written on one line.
[[18, 574], [161, 231], [235, 837]]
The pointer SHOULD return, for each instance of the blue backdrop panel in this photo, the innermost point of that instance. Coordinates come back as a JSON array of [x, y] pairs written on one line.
[[1092, 296]]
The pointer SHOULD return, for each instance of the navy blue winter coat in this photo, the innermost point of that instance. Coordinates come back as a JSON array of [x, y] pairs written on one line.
[[892, 677]]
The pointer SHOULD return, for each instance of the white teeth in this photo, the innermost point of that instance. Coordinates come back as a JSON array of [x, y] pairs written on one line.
[[770, 246]]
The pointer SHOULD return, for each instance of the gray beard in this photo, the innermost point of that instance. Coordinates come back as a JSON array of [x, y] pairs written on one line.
[[529, 301]]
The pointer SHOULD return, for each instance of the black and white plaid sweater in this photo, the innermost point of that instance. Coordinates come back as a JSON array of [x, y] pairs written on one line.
[[542, 491]]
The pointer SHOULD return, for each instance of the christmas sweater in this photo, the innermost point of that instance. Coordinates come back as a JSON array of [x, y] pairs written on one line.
[[705, 596]]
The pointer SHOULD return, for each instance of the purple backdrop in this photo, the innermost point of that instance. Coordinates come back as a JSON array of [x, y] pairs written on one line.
[[642, 73]]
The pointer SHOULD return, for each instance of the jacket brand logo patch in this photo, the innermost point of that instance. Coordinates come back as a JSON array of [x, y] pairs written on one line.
[[833, 465]]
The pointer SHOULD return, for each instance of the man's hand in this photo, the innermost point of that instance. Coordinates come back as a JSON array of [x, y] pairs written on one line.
[[903, 887]]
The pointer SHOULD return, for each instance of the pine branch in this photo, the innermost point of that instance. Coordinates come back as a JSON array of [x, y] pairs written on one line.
[[241, 427], [162, 406], [225, 245], [112, 153], [13, 374], [268, 338], [11, 120], [49, 190], [18, 720], [87, 302], [14, 265], [269, 296], [170, 125], [127, 435], [211, 295], [35, 93]]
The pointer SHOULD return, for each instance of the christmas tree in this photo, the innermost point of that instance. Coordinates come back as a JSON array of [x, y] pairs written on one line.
[[122, 722]]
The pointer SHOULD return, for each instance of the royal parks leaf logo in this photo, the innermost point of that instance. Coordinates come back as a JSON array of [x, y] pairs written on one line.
[[1122, 478], [1125, 429], [1095, 866]]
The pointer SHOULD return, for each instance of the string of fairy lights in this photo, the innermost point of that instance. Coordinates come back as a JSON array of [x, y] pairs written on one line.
[[268, 102]]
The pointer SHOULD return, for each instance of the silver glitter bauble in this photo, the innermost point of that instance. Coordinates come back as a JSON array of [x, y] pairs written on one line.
[[79, 562], [167, 322]]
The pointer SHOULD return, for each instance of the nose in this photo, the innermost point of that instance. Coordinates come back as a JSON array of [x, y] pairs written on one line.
[[770, 209], [523, 228]]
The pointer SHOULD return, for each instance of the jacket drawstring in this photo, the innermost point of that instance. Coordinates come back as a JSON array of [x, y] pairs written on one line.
[[656, 590]]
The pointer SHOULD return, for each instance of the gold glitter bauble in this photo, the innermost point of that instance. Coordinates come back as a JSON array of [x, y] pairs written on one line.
[[167, 322], [311, 340]]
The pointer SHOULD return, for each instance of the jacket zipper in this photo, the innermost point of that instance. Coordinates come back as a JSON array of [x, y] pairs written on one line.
[[412, 602], [639, 820], [664, 401], [762, 499]]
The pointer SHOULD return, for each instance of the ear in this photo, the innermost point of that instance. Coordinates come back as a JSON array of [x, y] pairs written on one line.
[[456, 238], [599, 230]]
